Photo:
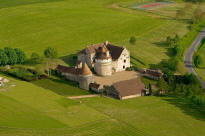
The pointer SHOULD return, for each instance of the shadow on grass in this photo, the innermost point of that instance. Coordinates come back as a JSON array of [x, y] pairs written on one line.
[[70, 59], [61, 87], [197, 112], [161, 44], [138, 60], [15, 3]]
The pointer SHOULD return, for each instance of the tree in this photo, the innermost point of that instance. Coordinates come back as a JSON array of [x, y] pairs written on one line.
[[21, 56], [198, 60], [35, 58], [3, 58], [11, 54], [176, 39], [51, 53], [150, 89], [132, 40], [162, 84]]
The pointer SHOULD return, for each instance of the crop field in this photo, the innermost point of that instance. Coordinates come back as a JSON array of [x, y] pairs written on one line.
[[30, 110]]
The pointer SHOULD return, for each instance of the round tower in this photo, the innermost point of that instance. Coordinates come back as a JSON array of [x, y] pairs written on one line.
[[103, 62], [85, 77]]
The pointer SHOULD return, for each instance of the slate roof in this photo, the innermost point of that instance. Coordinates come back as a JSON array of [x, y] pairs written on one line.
[[115, 51], [70, 70], [129, 87]]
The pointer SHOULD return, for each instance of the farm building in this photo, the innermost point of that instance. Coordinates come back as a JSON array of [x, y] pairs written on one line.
[[127, 89], [81, 75], [105, 58]]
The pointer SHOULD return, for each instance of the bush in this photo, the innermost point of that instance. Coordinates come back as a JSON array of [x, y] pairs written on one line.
[[21, 73], [132, 40], [35, 58], [51, 53], [198, 60]]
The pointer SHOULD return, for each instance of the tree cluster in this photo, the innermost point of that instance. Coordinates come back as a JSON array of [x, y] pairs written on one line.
[[11, 56]]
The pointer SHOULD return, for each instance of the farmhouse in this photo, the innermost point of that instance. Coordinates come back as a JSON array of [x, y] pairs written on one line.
[[127, 89], [105, 58]]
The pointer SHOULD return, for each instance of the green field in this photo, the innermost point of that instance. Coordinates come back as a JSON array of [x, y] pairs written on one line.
[[30, 110], [41, 108], [71, 25], [201, 69]]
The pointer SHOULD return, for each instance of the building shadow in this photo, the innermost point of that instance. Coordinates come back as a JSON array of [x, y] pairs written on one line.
[[15, 3], [187, 107], [70, 59], [138, 60], [61, 87]]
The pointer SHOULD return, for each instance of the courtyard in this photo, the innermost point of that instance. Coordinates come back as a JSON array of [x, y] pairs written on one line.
[[116, 77]]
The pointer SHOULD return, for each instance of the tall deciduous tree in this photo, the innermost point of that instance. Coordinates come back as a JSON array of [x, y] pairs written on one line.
[[3, 58], [21, 56], [11, 54], [162, 84]]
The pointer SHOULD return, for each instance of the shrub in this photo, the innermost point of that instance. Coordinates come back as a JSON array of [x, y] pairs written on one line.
[[21, 73], [198, 60], [35, 58], [51, 53], [132, 40]]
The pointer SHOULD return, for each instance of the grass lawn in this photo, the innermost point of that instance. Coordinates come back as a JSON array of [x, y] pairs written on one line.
[[71, 25], [32, 110]]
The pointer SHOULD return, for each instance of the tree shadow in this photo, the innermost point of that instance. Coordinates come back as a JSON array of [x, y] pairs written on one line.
[[197, 112], [15, 3], [161, 44], [138, 60], [61, 87], [70, 59]]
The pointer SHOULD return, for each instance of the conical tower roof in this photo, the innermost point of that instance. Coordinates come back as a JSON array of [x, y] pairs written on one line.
[[86, 70]]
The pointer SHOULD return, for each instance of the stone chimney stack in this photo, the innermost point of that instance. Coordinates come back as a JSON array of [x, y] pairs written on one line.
[[106, 43]]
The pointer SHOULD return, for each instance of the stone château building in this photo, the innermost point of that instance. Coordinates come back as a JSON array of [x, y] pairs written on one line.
[[82, 75], [105, 58]]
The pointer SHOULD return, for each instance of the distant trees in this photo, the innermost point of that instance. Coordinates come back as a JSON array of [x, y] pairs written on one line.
[[132, 40]]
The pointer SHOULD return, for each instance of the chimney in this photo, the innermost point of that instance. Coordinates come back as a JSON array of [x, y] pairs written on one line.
[[106, 43]]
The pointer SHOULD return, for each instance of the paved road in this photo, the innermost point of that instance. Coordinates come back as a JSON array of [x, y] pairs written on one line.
[[189, 55]]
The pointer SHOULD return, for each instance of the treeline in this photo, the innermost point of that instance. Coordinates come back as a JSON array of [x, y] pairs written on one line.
[[185, 85], [28, 69], [11, 56]]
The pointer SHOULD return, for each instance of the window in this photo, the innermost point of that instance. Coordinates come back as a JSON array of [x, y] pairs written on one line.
[[123, 67], [124, 61]]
